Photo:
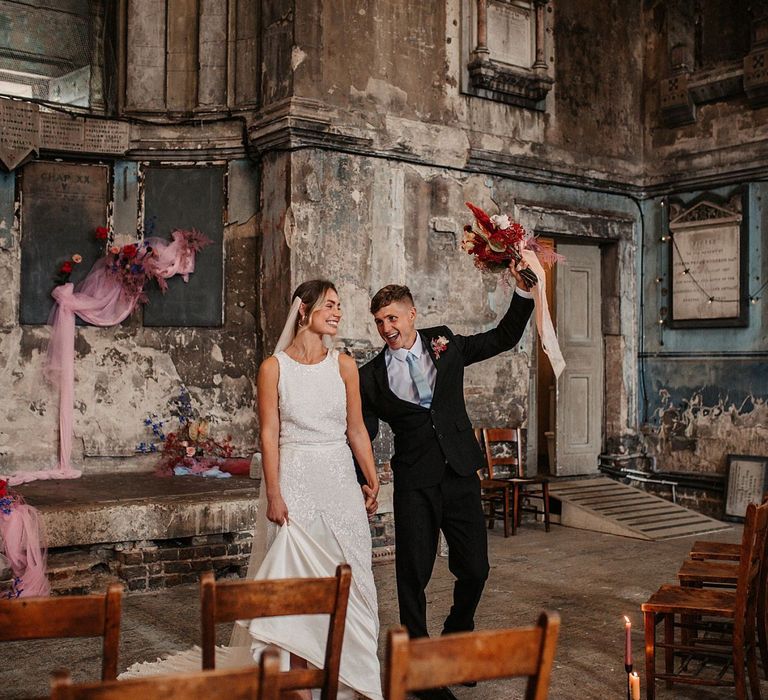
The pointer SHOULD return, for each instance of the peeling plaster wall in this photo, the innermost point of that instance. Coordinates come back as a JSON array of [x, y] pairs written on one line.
[[126, 372], [373, 223], [706, 388], [727, 134], [366, 222], [390, 72]]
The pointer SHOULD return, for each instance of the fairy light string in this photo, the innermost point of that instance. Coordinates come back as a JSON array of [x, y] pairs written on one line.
[[752, 298]]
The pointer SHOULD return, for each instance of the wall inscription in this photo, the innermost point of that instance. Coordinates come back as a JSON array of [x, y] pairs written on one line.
[[510, 34], [707, 268], [18, 136], [746, 484]]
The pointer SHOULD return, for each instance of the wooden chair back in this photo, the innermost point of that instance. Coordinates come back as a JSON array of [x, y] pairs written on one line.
[[68, 616], [493, 436], [421, 664], [226, 601], [754, 543], [251, 683]]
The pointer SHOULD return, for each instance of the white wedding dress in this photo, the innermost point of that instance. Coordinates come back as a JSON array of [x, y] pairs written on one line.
[[328, 525]]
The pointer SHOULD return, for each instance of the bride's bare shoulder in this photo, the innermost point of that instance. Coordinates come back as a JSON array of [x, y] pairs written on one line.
[[269, 368]]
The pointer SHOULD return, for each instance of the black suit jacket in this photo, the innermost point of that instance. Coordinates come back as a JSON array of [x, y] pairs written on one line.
[[428, 440]]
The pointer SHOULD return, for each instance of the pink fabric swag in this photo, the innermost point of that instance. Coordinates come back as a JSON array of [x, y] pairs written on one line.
[[102, 299]]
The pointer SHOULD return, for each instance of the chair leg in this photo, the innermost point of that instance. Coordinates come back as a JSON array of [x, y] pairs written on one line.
[[506, 512], [491, 515], [545, 493], [739, 666], [669, 641], [650, 655], [754, 676], [515, 507], [762, 630]]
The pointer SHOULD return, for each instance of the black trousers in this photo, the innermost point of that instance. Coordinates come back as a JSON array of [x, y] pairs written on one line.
[[454, 507]]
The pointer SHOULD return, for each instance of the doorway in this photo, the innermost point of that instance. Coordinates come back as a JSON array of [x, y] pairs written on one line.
[[570, 410]]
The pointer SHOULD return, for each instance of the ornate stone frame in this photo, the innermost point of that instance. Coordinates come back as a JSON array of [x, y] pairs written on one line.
[[709, 214], [486, 75]]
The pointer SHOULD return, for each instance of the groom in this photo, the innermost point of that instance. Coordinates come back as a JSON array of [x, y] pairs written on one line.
[[416, 384]]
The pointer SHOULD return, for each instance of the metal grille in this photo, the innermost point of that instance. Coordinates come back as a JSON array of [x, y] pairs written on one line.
[[46, 49]]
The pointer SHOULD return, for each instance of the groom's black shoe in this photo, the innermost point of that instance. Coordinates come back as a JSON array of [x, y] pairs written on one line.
[[436, 694], [470, 684]]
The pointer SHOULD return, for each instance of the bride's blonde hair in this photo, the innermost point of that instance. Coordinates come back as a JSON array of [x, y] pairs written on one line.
[[312, 294]]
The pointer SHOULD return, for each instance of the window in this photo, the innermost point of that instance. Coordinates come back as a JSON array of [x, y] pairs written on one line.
[[56, 51]]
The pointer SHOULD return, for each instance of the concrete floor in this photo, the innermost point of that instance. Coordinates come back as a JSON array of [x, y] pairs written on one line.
[[592, 580]]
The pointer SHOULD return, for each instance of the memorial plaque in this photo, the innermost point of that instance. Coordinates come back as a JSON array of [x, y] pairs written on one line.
[[58, 132], [746, 484], [712, 258], [707, 264], [102, 136], [19, 132], [510, 33], [62, 205]]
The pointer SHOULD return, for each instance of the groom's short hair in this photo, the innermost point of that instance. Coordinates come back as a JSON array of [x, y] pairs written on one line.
[[390, 294]]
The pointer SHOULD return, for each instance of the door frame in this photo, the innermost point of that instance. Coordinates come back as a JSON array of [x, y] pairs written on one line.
[[614, 233]]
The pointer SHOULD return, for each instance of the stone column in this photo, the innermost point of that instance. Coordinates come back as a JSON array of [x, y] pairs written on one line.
[[481, 50], [541, 60]]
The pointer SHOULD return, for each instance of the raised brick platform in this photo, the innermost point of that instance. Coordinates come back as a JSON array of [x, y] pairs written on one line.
[[151, 532]]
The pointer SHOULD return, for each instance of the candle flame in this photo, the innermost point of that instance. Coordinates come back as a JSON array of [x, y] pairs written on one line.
[[627, 620]]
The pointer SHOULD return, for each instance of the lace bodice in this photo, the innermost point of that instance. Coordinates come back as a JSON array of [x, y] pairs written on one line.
[[313, 402]]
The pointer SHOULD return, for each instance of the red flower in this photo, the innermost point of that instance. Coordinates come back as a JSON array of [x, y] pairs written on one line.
[[3, 488], [102, 233], [130, 250], [66, 267]]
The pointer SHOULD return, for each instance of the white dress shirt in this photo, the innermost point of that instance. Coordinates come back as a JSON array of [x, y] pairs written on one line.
[[400, 376]]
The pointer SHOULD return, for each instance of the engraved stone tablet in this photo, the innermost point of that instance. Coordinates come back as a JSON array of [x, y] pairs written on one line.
[[18, 135], [103, 136], [746, 483], [712, 258], [59, 132], [510, 33]]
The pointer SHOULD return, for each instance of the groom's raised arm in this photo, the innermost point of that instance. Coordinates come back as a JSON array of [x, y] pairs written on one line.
[[482, 346]]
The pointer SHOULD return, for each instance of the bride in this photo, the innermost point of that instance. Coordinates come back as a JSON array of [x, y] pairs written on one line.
[[312, 514], [310, 416]]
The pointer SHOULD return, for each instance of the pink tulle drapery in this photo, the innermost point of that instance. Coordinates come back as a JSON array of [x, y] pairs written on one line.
[[105, 297], [23, 540]]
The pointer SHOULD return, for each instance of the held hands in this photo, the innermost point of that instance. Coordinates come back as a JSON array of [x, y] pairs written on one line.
[[371, 493], [524, 276], [277, 511]]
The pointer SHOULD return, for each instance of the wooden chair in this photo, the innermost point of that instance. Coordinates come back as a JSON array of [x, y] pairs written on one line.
[[723, 551], [68, 616], [495, 494], [252, 683], [738, 607], [522, 487], [421, 664], [719, 573], [227, 601]]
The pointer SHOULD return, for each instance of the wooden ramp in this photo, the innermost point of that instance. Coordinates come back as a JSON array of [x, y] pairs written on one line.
[[604, 505]]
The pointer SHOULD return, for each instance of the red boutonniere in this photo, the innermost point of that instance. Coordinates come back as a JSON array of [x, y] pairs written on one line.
[[3, 488], [439, 345]]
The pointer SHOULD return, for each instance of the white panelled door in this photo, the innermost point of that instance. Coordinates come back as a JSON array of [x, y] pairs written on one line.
[[579, 413]]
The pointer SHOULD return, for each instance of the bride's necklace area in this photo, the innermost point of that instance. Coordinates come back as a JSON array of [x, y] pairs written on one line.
[[307, 353]]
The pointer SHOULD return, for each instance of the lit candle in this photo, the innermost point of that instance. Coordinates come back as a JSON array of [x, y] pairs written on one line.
[[634, 685], [627, 642]]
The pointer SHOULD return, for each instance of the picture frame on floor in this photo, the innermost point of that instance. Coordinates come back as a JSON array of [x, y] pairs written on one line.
[[746, 482]]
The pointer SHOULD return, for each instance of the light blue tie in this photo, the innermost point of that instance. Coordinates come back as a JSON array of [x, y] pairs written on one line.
[[422, 385]]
